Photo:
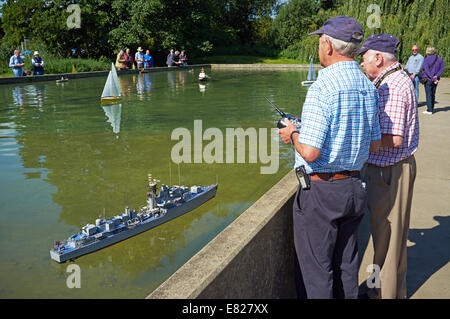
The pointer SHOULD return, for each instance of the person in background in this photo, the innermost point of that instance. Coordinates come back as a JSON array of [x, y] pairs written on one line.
[[148, 60], [432, 68], [170, 57], [139, 58], [38, 64], [16, 63], [183, 58], [173, 59], [339, 127], [120, 60], [128, 59], [391, 171], [414, 67]]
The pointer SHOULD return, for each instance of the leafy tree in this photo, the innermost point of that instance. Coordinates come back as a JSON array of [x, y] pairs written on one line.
[[414, 22]]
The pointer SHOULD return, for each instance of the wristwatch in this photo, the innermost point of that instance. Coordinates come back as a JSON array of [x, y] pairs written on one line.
[[296, 131]]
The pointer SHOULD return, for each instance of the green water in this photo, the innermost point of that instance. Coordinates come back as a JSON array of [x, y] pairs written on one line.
[[64, 159]]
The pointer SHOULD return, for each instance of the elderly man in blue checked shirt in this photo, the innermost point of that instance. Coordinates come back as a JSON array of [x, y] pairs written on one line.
[[340, 125], [16, 64]]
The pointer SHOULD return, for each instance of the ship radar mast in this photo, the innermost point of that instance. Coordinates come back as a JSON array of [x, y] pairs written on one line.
[[151, 195]]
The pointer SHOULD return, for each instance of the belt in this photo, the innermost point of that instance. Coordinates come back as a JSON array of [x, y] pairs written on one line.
[[333, 176]]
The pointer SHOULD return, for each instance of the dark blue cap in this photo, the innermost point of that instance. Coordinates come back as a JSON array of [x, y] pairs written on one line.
[[380, 42], [343, 28]]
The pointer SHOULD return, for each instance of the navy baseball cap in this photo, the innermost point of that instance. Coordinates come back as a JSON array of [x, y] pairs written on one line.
[[380, 42], [343, 28]]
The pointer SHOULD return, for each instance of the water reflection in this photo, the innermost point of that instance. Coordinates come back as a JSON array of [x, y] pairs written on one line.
[[202, 88], [144, 85], [113, 113], [177, 79], [31, 95], [148, 81], [35, 94], [125, 86], [18, 96]]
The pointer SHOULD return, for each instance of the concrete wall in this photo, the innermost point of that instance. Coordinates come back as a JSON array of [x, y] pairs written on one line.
[[54, 77], [252, 258]]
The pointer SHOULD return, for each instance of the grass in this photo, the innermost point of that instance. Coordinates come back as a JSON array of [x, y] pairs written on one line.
[[242, 59]]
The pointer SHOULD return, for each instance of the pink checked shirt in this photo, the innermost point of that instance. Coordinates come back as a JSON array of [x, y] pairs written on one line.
[[398, 116]]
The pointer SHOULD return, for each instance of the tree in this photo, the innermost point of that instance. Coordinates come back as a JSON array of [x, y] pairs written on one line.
[[414, 22]]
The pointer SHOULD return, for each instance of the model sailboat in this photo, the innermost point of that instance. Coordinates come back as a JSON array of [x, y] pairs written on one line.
[[111, 91], [311, 78]]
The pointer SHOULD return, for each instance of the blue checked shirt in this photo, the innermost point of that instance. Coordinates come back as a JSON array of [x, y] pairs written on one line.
[[15, 60], [339, 117]]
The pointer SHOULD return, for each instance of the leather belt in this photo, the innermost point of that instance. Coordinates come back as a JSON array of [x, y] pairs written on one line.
[[333, 176]]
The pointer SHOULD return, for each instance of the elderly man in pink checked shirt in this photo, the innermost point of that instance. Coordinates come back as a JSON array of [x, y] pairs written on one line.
[[390, 172]]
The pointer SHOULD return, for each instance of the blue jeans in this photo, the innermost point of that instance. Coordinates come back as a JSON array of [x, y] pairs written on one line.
[[416, 87], [17, 72], [430, 90]]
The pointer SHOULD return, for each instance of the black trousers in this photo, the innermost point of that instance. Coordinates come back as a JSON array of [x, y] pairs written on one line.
[[326, 221]]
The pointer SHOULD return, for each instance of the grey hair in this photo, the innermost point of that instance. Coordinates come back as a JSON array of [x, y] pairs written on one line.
[[348, 49], [387, 56], [430, 50]]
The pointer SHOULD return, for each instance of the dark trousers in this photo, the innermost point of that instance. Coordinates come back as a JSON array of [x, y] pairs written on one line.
[[430, 91], [38, 71], [326, 221]]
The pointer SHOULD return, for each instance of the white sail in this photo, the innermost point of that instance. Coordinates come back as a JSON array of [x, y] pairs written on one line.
[[112, 84]]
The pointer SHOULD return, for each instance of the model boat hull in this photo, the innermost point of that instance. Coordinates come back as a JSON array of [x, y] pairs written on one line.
[[307, 83], [126, 232]]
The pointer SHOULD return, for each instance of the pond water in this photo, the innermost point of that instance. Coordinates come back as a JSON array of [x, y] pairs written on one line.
[[65, 159]]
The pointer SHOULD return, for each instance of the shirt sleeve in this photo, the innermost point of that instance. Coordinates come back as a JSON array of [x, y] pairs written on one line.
[[11, 62], [315, 119], [392, 111]]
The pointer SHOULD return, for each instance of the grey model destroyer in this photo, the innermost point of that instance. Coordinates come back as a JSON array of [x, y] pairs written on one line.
[[170, 203]]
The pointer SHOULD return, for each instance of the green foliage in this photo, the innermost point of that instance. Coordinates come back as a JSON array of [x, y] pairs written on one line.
[[212, 27], [196, 26], [423, 23], [56, 66]]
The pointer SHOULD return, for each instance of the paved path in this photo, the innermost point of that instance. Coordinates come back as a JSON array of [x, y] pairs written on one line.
[[429, 235]]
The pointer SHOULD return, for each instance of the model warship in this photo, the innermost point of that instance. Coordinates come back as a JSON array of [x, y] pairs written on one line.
[[170, 203]]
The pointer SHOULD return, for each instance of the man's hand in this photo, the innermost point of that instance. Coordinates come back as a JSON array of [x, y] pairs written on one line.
[[309, 153], [412, 76], [285, 133]]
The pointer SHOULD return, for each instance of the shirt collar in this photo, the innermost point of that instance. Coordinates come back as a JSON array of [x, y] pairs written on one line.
[[393, 66], [339, 65]]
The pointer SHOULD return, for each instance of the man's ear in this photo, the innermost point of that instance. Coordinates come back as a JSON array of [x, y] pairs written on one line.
[[379, 59], [329, 48]]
